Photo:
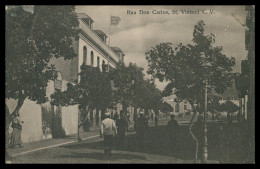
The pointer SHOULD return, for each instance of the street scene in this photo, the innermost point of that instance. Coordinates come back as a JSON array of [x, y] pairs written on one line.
[[129, 84]]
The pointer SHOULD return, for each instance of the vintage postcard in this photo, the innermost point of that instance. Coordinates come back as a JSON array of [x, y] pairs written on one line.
[[130, 84]]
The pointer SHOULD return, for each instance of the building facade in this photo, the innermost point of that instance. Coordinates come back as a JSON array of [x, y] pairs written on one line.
[[92, 49], [43, 121]]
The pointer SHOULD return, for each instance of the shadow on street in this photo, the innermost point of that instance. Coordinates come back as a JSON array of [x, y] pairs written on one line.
[[100, 156], [156, 142]]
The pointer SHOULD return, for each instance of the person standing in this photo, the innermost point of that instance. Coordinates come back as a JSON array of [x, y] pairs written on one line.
[[152, 116], [173, 131], [116, 116], [7, 135], [17, 130], [140, 129], [108, 131], [121, 129], [222, 145]]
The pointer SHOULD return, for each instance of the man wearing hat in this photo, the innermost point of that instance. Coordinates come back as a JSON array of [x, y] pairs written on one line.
[[173, 130], [107, 131]]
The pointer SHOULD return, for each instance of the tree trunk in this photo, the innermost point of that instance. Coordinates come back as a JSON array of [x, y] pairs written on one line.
[[18, 107], [124, 106], [156, 117], [193, 136], [91, 119], [135, 117], [97, 116]]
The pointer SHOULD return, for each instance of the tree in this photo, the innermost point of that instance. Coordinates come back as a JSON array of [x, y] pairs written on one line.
[[32, 39], [126, 81], [149, 97], [93, 92], [229, 107], [166, 107], [214, 106], [182, 66]]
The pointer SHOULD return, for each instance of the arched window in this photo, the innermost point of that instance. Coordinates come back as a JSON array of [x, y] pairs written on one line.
[[185, 106], [98, 62], [84, 55], [92, 58], [177, 107]]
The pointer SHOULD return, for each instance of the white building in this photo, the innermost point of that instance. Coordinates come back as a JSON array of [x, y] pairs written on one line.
[[47, 121], [91, 49]]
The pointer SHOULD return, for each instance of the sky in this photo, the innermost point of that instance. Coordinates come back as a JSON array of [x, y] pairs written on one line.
[[137, 33]]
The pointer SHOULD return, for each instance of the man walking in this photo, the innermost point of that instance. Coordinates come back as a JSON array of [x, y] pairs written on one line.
[[108, 131], [173, 131]]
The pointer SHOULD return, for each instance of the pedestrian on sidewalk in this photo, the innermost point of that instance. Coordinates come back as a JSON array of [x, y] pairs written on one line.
[[108, 131], [121, 129], [17, 131], [222, 145], [173, 133]]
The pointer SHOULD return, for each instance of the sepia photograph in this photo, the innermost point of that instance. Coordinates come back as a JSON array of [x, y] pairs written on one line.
[[129, 84]]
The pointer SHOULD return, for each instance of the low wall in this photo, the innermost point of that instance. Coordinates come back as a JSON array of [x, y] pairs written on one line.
[[30, 113], [70, 119]]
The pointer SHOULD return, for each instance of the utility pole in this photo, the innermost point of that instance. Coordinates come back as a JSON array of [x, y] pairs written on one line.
[[205, 146]]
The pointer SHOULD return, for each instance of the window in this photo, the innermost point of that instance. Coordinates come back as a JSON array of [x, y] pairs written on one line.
[[84, 55], [92, 58], [103, 66], [177, 107], [185, 107], [98, 62]]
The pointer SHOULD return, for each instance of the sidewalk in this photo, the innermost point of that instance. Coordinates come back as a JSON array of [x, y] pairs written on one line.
[[91, 151], [52, 142], [55, 142]]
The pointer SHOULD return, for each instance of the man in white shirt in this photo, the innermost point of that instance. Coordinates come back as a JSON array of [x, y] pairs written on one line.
[[108, 131]]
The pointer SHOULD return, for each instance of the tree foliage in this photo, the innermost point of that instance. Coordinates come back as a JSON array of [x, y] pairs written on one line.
[[229, 107], [32, 39], [165, 107], [94, 90], [127, 81], [182, 66]]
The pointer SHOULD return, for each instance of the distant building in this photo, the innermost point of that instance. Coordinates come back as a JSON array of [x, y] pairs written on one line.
[[231, 94], [178, 107]]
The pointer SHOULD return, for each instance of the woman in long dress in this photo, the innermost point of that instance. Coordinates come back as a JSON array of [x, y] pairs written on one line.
[[17, 130]]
